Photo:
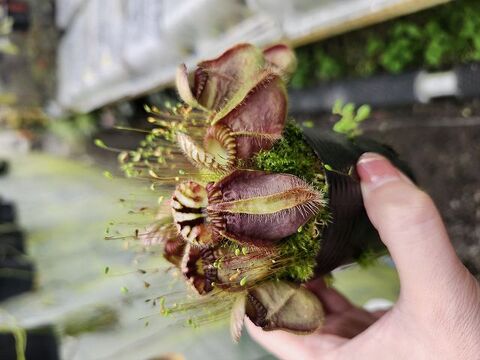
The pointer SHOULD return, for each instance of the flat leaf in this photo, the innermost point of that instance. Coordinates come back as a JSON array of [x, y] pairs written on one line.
[[363, 113], [348, 110]]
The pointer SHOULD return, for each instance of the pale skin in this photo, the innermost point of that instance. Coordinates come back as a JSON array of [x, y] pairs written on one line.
[[437, 315]]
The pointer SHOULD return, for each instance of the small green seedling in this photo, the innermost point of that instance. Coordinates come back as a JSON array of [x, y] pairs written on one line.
[[349, 118]]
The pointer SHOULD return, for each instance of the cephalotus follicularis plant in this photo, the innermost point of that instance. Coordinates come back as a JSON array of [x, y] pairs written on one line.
[[257, 205]]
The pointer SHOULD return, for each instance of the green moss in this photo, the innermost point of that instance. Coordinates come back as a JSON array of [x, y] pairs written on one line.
[[292, 155], [300, 250], [369, 257]]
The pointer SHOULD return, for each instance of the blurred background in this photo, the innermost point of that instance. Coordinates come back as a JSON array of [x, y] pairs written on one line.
[[75, 70]]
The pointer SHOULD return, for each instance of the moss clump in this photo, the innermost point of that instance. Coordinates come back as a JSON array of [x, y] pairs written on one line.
[[300, 250], [292, 155], [369, 257]]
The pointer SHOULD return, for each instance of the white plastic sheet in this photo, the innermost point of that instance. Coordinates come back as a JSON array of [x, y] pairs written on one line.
[[114, 49]]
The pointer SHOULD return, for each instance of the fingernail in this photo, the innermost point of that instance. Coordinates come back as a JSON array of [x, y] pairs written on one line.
[[375, 170]]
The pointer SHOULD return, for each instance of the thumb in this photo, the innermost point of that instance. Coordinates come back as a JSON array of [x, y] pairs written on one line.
[[411, 228]]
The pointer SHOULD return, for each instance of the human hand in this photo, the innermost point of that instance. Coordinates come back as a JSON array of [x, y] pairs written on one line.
[[437, 315]]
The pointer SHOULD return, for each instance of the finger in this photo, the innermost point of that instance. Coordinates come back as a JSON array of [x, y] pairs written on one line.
[[288, 346], [332, 301], [411, 228]]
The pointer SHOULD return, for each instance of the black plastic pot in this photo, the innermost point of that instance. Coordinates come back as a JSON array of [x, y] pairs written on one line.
[[4, 167], [12, 240], [42, 344], [16, 276], [350, 233], [7, 213]]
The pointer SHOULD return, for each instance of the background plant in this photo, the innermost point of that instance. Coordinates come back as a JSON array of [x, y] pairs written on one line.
[[433, 39], [350, 118]]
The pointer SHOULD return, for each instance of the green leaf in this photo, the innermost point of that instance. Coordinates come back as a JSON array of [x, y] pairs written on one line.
[[348, 111], [337, 107], [308, 124], [350, 119], [100, 144], [344, 126], [363, 113]]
